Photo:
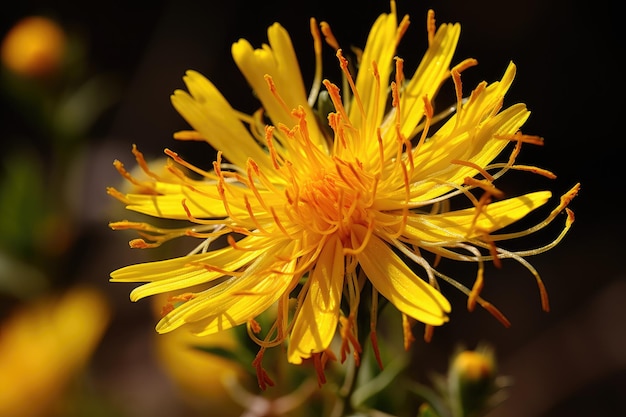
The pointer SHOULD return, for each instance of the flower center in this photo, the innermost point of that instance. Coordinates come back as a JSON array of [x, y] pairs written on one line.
[[333, 201]]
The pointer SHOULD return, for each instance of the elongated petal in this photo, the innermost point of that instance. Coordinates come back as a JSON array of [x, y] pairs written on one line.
[[457, 225], [466, 134], [189, 271], [316, 322], [380, 48], [399, 284], [429, 76], [486, 145], [210, 114], [171, 206], [278, 60], [237, 300]]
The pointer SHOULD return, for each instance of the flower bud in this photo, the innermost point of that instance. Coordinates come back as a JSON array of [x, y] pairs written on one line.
[[471, 381], [34, 47]]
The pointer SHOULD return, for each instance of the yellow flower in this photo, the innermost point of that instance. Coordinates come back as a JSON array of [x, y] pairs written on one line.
[[43, 345], [202, 377], [321, 208]]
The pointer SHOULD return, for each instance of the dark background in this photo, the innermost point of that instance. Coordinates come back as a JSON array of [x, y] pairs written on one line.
[[569, 362]]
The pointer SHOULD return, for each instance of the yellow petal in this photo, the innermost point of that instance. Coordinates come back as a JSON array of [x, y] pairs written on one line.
[[428, 77], [278, 60], [210, 114], [238, 299], [44, 345], [171, 206], [316, 322], [399, 284], [457, 225], [380, 48], [189, 271]]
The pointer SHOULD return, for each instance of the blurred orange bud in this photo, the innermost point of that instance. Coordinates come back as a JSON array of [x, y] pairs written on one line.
[[34, 47], [474, 366]]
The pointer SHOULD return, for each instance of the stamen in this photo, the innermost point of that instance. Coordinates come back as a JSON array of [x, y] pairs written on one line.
[[233, 243], [339, 142], [535, 170], [494, 312], [518, 136], [366, 239], [254, 326], [402, 28], [431, 26], [493, 250], [343, 63], [429, 329], [484, 304], [142, 162], [269, 139], [186, 164], [147, 187], [279, 224], [476, 288], [270, 83], [545, 305], [458, 88], [267, 342], [465, 64], [483, 202], [564, 202], [221, 186], [381, 150], [213, 268], [166, 309], [335, 97], [425, 126], [407, 332], [187, 135], [328, 36], [253, 216], [252, 167], [317, 78], [348, 337], [262, 376], [118, 195], [458, 85], [319, 368], [373, 318], [142, 244], [377, 90], [486, 186], [194, 219], [182, 297], [471, 164]]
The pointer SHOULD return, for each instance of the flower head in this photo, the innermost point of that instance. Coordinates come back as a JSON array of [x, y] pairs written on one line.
[[321, 208]]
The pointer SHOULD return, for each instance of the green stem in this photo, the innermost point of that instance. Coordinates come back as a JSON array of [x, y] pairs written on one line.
[[344, 406]]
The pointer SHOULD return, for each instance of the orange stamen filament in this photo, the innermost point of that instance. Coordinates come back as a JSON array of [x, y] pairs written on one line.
[[373, 318], [317, 78], [486, 305], [328, 36], [407, 332], [343, 63], [430, 26]]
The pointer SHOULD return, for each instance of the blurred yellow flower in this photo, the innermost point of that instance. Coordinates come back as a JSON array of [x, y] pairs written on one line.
[[322, 207], [43, 345], [34, 47], [202, 377]]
